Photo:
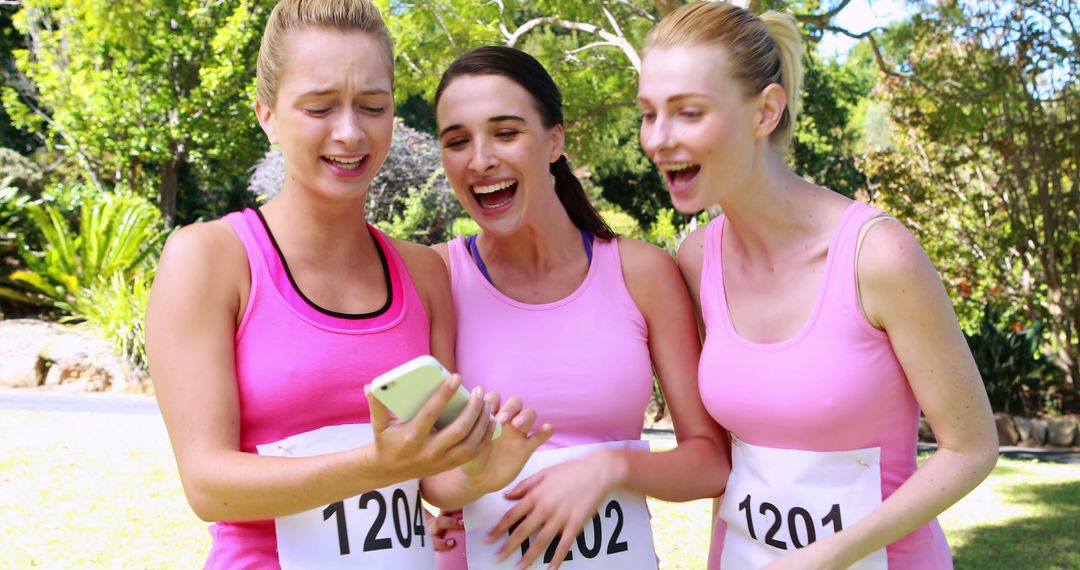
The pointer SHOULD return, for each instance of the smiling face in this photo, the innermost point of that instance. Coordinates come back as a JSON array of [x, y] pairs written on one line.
[[333, 114], [699, 128], [496, 150]]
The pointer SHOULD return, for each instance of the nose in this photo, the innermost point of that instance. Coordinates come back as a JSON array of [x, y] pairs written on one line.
[[482, 159], [656, 135], [348, 129]]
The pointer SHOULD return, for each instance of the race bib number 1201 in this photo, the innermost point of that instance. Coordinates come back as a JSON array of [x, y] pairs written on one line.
[[618, 536], [380, 529]]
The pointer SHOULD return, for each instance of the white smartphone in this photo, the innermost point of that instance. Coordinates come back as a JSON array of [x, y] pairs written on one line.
[[406, 388]]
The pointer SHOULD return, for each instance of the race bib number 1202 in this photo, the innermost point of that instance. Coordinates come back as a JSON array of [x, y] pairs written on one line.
[[380, 529], [618, 536]]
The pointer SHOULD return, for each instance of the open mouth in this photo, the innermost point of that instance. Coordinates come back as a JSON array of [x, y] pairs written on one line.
[[346, 164], [495, 195], [680, 174]]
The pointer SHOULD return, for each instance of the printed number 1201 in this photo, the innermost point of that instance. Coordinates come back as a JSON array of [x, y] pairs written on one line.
[[793, 516]]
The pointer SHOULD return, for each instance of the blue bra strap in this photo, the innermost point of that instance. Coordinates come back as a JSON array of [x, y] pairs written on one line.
[[470, 242]]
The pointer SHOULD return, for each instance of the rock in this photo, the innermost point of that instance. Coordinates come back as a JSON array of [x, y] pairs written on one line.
[[21, 371], [70, 358], [1038, 431], [1006, 429], [1023, 427], [1061, 432], [926, 435]]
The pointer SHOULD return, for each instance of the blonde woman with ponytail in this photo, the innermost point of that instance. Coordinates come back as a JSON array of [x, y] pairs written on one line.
[[826, 327]]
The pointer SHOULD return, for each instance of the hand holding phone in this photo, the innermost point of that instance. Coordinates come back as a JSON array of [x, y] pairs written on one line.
[[405, 389]]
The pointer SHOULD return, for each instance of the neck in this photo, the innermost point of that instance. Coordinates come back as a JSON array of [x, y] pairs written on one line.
[[773, 211], [549, 242], [335, 228]]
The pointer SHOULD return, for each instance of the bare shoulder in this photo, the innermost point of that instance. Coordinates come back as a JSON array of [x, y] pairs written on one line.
[[691, 253], [639, 258], [204, 251], [893, 271], [422, 261], [443, 249], [650, 273]]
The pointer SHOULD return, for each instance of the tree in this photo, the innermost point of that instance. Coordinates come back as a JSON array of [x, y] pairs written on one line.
[[591, 49], [138, 91], [986, 130]]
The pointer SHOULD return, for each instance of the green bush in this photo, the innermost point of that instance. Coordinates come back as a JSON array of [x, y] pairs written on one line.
[[116, 234], [427, 216], [115, 307], [1019, 379]]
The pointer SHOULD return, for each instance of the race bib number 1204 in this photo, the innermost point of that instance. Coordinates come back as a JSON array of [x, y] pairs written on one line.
[[380, 529]]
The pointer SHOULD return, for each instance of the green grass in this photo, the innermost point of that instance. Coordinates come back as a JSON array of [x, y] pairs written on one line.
[[81, 490]]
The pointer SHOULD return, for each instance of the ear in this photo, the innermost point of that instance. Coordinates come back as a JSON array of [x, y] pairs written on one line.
[[558, 142], [265, 113], [770, 109]]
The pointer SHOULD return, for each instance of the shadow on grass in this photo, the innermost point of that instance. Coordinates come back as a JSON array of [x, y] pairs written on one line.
[[1047, 540]]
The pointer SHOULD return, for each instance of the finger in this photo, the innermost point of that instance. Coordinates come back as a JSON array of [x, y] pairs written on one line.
[[511, 408], [524, 420], [521, 489], [439, 525], [538, 546], [461, 428], [442, 545], [514, 516], [494, 399], [541, 436], [481, 431], [380, 416], [429, 413], [566, 540]]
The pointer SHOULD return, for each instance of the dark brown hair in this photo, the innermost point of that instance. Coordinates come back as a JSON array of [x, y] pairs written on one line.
[[523, 69]]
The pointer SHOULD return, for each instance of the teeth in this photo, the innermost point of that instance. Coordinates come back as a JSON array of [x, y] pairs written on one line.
[[494, 187], [347, 163], [677, 166]]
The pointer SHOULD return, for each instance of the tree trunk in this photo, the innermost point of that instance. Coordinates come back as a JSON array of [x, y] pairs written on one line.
[[170, 185]]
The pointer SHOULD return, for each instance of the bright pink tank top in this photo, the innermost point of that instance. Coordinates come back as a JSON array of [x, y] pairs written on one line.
[[581, 362], [300, 367], [834, 386]]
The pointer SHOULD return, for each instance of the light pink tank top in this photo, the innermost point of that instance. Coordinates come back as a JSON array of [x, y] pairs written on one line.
[[834, 386], [300, 367], [581, 362]]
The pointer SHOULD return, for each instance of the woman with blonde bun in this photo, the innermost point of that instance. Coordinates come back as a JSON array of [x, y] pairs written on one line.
[[826, 327]]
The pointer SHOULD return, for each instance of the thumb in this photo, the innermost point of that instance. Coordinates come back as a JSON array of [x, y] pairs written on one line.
[[380, 416]]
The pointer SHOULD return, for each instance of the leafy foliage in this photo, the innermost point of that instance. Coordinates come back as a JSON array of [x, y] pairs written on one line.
[[115, 306], [116, 234], [132, 91], [1018, 378], [428, 215], [984, 165]]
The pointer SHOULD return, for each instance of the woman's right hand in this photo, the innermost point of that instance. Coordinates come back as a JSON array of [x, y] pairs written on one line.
[[413, 449]]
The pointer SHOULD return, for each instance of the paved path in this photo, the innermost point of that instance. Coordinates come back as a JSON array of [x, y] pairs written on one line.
[[45, 401]]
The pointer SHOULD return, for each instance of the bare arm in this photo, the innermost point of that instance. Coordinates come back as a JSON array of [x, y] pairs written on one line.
[[194, 305], [902, 294], [698, 467]]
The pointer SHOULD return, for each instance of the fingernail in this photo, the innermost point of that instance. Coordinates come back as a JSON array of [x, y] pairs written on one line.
[[450, 542], [518, 422], [502, 418], [478, 392], [461, 522]]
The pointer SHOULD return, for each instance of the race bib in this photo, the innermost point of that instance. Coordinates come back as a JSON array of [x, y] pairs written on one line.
[[619, 535], [778, 500], [380, 529]]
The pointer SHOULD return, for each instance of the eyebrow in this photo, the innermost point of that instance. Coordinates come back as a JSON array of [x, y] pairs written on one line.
[[680, 97], [495, 119], [328, 91]]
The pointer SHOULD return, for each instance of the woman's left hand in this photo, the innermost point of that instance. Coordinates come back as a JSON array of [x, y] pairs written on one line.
[[557, 502], [817, 556], [497, 467]]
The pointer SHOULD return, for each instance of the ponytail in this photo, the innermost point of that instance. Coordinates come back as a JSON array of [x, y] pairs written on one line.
[[572, 195], [781, 27]]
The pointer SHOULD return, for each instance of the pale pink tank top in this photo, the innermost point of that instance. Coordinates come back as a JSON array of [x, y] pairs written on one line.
[[300, 367], [835, 385], [581, 362]]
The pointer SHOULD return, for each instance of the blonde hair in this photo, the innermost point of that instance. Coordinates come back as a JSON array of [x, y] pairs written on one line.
[[762, 50], [343, 15]]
